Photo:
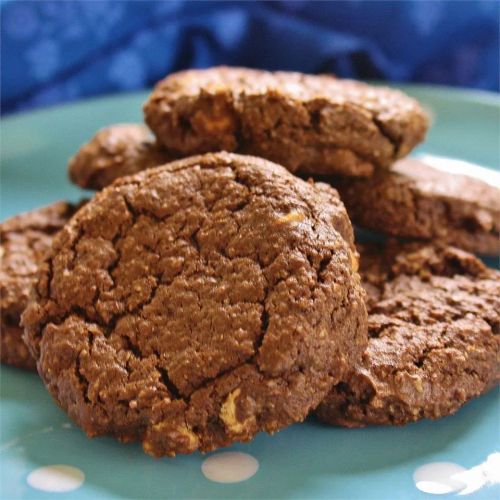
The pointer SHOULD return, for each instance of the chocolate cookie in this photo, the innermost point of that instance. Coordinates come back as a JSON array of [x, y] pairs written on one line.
[[434, 324], [24, 240], [415, 200], [198, 303], [316, 124], [114, 152]]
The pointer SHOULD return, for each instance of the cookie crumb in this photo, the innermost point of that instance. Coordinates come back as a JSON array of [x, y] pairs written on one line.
[[293, 216]]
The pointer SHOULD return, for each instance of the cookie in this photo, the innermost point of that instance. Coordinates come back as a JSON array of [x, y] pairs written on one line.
[[315, 124], [415, 200], [24, 240], [198, 303], [114, 152], [434, 343]]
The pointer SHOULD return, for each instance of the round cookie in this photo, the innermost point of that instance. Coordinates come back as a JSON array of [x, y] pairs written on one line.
[[24, 240], [198, 303], [314, 124], [415, 200], [115, 151], [434, 343]]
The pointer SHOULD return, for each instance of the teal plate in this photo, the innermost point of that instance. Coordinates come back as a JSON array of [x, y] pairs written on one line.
[[43, 455]]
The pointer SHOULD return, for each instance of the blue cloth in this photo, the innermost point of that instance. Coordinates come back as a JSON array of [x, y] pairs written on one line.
[[63, 50]]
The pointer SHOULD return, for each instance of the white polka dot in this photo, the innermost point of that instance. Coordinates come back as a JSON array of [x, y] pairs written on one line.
[[229, 467], [56, 478], [437, 478], [486, 473]]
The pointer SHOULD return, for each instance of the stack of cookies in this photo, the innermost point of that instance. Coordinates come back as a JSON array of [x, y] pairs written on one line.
[[212, 288]]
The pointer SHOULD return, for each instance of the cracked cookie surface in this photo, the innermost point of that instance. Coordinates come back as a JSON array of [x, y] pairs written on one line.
[[24, 241], [199, 303], [434, 343], [415, 200], [311, 124], [113, 152]]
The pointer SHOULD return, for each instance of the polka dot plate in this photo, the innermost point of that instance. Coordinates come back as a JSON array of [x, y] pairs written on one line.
[[44, 455]]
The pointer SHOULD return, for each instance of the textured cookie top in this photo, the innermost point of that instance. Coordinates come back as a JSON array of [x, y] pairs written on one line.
[[197, 303], [24, 240], [449, 279], [113, 152], [413, 199], [433, 325], [316, 124]]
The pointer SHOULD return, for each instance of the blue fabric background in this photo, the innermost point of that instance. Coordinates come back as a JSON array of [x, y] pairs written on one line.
[[54, 51]]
